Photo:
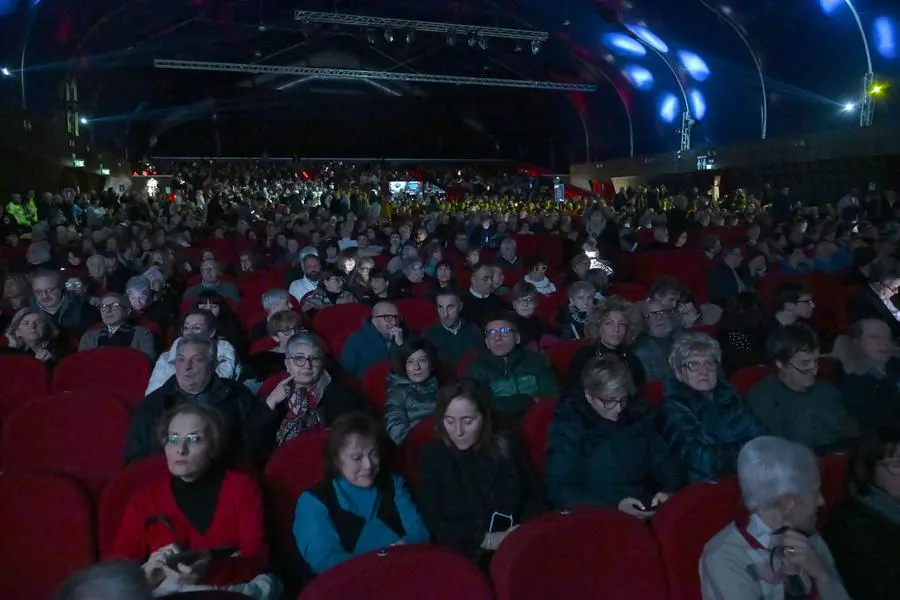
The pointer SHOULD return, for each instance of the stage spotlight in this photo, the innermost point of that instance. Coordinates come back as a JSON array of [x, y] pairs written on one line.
[[885, 38], [849, 107], [640, 77], [698, 104], [410, 36], [389, 36], [5, 72], [472, 39], [624, 45], [370, 36], [482, 42], [535, 47], [83, 120], [694, 65], [829, 6], [669, 107], [648, 37], [877, 89]]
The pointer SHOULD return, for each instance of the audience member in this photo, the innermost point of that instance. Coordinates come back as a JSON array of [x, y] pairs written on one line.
[[703, 420], [31, 333], [792, 302], [210, 273], [603, 448], [274, 301], [113, 580], [875, 301], [793, 403], [609, 330], [117, 331], [652, 347], [773, 551], [742, 333], [481, 301], [67, 312], [536, 275], [378, 340], [412, 388], [452, 337], [476, 486], [728, 278], [262, 365], [533, 329], [358, 507], [572, 316], [329, 291]]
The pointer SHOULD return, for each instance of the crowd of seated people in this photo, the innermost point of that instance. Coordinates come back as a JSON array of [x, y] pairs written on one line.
[[234, 307]]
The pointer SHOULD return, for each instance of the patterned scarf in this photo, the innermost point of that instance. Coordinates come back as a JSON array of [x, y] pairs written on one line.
[[301, 415]]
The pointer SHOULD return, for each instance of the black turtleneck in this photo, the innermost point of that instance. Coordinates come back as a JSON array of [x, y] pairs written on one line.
[[199, 499]]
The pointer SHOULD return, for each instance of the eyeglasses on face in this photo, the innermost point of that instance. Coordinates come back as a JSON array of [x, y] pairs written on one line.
[[111, 306], [498, 331], [386, 317], [301, 361], [192, 439], [658, 314], [701, 366]]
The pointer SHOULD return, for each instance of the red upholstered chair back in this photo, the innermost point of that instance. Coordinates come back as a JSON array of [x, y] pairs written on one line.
[[47, 533], [338, 322], [402, 573], [595, 554], [653, 392], [269, 384], [374, 385], [118, 493], [833, 471], [462, 366], [745, 379], [123, 372], [535, 428], [685, 523], [633, 292], [418, 314], [81, 434], [560, 355], [23, 379], [293, 469], [418, 437]]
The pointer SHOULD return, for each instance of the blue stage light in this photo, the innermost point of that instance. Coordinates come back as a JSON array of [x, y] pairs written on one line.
[[694, 65], [648, 37], [640, 77], [829, 6], [885, 37], [624, 45], [669, 107], [698, 104]]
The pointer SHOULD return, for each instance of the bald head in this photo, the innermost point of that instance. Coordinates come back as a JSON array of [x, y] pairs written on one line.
[[385, 317], [875, 340]]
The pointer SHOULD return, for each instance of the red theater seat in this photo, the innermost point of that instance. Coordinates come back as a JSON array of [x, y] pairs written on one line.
[[588, 554], [375, 385], [293, 469], [118, 493], [418, 314], [535, 428], [338, 322], [560, 355], [24, 379], [654, 392], [418, 437], [123, 372], [47, 534], [685, 523], [402, 573], [833, 471], [745, 379], [81, 434]]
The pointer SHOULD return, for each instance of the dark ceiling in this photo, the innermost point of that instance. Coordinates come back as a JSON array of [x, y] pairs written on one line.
[[812, 63]]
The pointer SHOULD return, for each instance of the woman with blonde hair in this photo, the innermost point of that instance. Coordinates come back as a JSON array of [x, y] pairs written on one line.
[[31, 333], [610, 328]]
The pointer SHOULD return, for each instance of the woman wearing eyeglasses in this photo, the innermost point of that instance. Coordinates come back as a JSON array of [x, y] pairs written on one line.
[[702, 419], [308, 398], [281, 327], [31, 333], [201, 507], [864, 530], [603, 448]]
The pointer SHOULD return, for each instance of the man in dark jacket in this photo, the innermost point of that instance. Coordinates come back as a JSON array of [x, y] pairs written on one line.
[[378, 340], [195, 381], [453, 337], [66, 311], [728, 279], [517, 376]]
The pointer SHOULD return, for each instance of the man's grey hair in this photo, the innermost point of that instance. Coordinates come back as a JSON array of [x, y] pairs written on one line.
[[118, 580], [138, 283], [581, 286], [95, 259], [47, 274], [209, 346], [693, 344], [508, 243], [770, 467], [273, 298], [304, 338], [410, 263], [38, 253]]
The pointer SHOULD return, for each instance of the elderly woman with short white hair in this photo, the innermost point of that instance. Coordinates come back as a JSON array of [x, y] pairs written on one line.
[[773, 552], [702, 418], [308, 398]]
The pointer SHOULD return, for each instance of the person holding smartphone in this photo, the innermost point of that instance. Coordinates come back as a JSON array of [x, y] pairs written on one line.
[[476, 486], [603, 448]]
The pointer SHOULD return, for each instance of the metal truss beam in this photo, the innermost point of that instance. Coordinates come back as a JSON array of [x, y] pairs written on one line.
[[359, 75], [429, 26]]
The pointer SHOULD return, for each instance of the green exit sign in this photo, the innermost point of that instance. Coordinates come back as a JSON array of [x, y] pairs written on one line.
[[78, 163], [104, 172]]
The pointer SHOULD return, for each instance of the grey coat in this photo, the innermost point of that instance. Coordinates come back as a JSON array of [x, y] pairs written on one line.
[[142, 340]]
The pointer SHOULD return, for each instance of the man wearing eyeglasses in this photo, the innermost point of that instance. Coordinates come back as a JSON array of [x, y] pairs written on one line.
[[518, 377], [378, 340], [653, 346], [66, 311], [210, 272], [793, 403], [116, 330]]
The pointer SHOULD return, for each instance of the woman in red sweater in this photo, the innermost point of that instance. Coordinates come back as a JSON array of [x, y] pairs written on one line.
[[202, 507]]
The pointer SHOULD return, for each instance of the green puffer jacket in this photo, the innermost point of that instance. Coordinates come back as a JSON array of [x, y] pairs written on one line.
[[515, 380]]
